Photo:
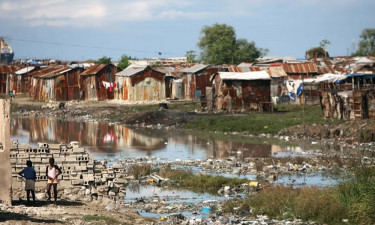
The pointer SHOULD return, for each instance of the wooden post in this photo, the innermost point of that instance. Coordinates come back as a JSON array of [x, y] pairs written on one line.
[[5, 167]]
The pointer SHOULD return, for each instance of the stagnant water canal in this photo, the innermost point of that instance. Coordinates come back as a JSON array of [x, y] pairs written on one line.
[[112, 142]]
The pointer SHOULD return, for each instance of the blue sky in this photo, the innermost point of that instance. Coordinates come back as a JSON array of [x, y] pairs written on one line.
[[142, 28]]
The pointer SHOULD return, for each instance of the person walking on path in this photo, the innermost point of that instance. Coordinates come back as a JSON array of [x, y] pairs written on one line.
[[29, 174], [52, 172]]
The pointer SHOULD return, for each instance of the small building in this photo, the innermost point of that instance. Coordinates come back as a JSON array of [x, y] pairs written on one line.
[[248, 90], [136, 84], [350, 97], [195, 79], [20, 80], [5, 77], [56, 83], [97, 82]]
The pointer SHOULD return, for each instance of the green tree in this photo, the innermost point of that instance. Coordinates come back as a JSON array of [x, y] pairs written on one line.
[[318, 52], [366, 46], [123, 62], [104, 60], [190, 56], [324, 43], [220, 46], [247, 51]]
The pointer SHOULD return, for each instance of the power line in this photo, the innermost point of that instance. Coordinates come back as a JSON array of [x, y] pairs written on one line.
[[93, 47]]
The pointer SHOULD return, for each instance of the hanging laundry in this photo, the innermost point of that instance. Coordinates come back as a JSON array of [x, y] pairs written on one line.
[[295, 88], [109, 85]]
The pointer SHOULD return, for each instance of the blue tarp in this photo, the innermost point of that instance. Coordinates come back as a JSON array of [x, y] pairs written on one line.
[[350, 75]]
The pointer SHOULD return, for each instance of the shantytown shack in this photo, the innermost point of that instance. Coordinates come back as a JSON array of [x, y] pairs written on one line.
[[195, 79], [56, 83], [97, 82], [20, 80], [5, 76], [248, 90], [139, 84]]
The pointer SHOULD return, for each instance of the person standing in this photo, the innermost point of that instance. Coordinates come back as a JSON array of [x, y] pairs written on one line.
[[29, 174], [52, 172]]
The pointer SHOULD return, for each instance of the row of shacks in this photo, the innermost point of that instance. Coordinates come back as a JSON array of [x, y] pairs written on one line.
[[344, 90]]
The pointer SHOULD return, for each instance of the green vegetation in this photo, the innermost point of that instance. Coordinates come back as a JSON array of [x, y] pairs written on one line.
[[220, 46], [137, 170], [357, 195], [104, 60], [352, 199], [190, 56], [100, 219], [187, 179], [123, 62], [366, 46], [256, 123]]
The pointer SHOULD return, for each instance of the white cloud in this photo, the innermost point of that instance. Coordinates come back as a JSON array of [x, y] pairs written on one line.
[[93, 13]]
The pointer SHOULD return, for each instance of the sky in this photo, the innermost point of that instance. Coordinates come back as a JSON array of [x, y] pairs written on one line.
[[91, 29]]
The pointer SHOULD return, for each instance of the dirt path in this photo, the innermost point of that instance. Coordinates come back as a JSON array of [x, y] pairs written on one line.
[[70, 213]]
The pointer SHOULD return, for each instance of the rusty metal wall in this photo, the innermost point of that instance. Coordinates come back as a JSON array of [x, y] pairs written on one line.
[[64, 87], [146, 86], [253, 95], [150, 89]]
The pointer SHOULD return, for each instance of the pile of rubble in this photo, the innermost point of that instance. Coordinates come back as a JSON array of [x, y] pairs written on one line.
[[82, 175]]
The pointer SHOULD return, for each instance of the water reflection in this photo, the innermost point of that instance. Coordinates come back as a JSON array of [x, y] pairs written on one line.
[[109, 140]]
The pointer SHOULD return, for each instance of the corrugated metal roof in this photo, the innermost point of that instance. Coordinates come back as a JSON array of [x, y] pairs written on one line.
[[94, 69], [25, 70], [276, 71], [244, 69], [194, 69], [245, 64], [131, 71], [5, 69], [306, 67], [51, 71], [257, 75]]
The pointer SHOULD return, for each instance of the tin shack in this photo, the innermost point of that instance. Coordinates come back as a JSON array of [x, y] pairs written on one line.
[[5, 77], [195, 79], [56, 83], [248, 90], [97, 82], [135, 84]]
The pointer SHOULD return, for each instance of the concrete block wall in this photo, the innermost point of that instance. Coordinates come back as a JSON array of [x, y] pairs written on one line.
[[79, 169]]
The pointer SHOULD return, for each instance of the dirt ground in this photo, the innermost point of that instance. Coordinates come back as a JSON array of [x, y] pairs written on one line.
[[69, 213]]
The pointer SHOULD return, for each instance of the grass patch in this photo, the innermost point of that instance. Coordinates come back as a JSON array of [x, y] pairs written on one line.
[[353, 199], [140, 170], [287, 115], [187, 179], [100, 219]]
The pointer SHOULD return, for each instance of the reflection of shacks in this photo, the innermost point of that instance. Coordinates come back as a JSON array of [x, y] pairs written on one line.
[[249, 90], [224, 149], [97, 82], [21, 80], [140, 84], [5, 73], [57, 82], [99, 137], [349, 98], [195, 79]]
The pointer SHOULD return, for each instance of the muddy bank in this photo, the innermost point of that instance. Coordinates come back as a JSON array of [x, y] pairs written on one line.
[[348, 131]]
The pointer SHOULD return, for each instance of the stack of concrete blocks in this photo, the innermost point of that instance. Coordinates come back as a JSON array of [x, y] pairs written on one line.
[[79, 169]]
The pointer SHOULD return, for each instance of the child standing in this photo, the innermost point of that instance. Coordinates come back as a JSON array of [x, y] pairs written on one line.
[[52, 171], [30, 175]]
